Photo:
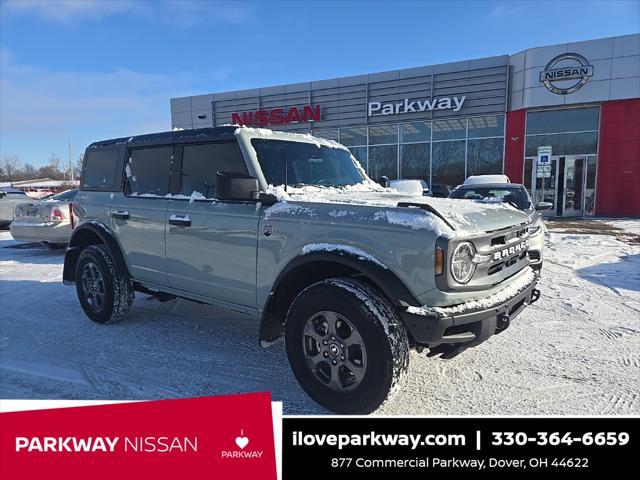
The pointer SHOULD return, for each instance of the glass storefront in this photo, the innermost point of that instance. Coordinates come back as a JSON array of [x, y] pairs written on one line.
[[439, 152], [570, 183]]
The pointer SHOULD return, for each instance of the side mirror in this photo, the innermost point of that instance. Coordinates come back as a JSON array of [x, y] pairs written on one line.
[[384, 181], [236, 186], [544, 206]]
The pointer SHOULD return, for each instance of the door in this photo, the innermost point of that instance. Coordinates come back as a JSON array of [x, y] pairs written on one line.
[[545, 185], [211, 245], [138, 215], [573, 188]]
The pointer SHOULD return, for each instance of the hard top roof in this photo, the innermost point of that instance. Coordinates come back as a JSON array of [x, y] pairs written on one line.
[[173, 136]]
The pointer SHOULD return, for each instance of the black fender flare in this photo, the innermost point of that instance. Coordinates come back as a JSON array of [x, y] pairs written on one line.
[[84, 235], [380, 276]]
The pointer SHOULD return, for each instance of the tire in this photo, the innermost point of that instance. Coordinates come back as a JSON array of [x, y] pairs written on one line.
[[105, 293], [362, 378]]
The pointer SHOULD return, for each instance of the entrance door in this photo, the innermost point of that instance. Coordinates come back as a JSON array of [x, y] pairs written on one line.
[[564, 186], [573, 188]]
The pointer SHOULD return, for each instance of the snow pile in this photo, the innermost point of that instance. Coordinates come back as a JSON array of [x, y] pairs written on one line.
[[286, 208], [192, 198], [483, 179], [294, 137], [512, 289], [329, 247]]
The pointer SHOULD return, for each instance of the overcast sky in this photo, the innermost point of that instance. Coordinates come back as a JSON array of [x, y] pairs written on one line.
[[85, 70]]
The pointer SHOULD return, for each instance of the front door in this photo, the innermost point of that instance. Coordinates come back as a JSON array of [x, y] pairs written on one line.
[[563, 185], [211, 244]]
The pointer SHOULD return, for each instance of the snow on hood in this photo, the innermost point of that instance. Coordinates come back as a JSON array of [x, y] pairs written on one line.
[[467, 216]]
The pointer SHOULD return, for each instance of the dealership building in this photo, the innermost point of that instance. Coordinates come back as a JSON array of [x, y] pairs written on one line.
[[564, 120]]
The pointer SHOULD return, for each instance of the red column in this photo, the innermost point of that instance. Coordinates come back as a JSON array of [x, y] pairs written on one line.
[[618, 182], [514, 145]]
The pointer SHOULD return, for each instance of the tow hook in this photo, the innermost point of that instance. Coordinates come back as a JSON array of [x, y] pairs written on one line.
[[535, 295], [503, 322]]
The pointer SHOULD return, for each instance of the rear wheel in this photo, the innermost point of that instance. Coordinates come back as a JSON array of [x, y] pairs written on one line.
[[104, 292], [346, 345]]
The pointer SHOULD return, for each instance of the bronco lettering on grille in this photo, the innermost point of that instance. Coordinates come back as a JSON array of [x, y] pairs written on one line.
[[512, 250]]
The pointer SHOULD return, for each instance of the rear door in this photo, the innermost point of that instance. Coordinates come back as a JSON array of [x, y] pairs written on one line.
[[211, 245], [137, 215]]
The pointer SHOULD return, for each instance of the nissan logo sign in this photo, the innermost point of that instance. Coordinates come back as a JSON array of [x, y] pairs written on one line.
[[566, 73]]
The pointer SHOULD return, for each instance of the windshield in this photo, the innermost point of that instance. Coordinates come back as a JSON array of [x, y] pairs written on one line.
[[69, 195], [305, 164], [516, 195]]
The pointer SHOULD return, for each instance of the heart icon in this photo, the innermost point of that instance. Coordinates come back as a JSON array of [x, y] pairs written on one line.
[[242, 442]]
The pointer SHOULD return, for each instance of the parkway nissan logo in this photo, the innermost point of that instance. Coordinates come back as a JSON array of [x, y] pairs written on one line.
[[566, 73]]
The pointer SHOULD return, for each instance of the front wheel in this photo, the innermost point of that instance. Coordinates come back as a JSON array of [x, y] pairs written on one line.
[[105, 293], [346, 345]]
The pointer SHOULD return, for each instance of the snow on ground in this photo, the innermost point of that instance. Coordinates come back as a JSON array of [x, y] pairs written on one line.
[[576, 351]]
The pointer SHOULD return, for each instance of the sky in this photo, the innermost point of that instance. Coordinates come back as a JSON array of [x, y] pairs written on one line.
[[86, 70]]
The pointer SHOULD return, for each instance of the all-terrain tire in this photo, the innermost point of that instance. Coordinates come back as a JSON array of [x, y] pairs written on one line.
[[115, 286], [382, 333]]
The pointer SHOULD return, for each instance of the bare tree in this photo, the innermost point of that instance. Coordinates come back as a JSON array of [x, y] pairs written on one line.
[[10, 167]]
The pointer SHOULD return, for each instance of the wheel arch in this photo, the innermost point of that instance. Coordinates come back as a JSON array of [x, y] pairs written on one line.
[[90, 233], [306, 269]]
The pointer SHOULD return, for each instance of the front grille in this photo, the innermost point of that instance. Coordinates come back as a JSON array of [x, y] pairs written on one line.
[[504, 239], [511, 261]]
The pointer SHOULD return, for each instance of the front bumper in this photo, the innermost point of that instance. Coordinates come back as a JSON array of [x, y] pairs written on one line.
[[450, 331]]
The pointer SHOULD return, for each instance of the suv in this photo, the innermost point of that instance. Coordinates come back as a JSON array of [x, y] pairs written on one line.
[[289, 228]]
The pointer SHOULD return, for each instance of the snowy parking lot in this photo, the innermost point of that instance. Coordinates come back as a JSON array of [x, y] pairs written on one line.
[[576, 351]]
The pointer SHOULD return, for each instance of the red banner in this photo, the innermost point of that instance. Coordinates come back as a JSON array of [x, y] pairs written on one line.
[[208, 437]]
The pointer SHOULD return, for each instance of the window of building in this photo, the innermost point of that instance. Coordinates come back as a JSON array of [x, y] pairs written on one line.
[[201, 163], [484, 156], [560, 121], [447, 166], [450, 129], [383, 134], [564, 143], [486, 126], [353, 136], [383, 161], [100, 169], [415, 132], [328, 133], [415, 161], [148, 170]]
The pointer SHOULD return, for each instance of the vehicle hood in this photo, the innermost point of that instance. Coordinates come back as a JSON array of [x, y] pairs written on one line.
[[468, 216]]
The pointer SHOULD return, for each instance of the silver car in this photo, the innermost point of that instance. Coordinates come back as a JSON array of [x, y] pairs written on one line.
[[518, 196], [9, 197], [47, 221]]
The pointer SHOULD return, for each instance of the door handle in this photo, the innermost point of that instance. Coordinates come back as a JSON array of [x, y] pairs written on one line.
[[120, 214], [179, 220]]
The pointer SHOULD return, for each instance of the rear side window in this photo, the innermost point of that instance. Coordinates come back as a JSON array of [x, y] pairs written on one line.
[[148, 171], [200, 163], [100, 169]]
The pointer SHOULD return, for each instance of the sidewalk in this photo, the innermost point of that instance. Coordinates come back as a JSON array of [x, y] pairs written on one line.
[[624, 229]]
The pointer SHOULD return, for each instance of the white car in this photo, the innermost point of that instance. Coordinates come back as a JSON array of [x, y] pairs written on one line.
[[410, 187], [9, 197]]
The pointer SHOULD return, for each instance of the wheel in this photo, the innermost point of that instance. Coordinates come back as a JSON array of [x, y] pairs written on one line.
[[104, 293], [346, 345]]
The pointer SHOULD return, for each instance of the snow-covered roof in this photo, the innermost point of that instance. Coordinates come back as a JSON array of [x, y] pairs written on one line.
[[481, 179]]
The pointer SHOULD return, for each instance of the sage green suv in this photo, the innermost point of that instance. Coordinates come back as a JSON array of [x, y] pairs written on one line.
[[289, 228]]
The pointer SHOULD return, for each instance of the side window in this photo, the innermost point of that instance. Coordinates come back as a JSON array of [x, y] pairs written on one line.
[[100, 169], [148, 170], [200, 163]]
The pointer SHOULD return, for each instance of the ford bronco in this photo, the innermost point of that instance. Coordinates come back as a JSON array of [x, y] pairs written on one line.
[[289, 228]]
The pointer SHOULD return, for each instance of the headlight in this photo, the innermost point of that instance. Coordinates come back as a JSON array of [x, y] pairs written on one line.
[[462, 266], [535, 228]]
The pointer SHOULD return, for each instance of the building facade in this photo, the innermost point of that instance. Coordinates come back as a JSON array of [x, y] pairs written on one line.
[[564, 120]]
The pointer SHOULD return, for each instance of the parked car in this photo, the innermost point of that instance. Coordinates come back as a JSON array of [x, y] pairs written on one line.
[[516, 195], [47, 221], [8, 199], [410, 187], [289, 228]]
